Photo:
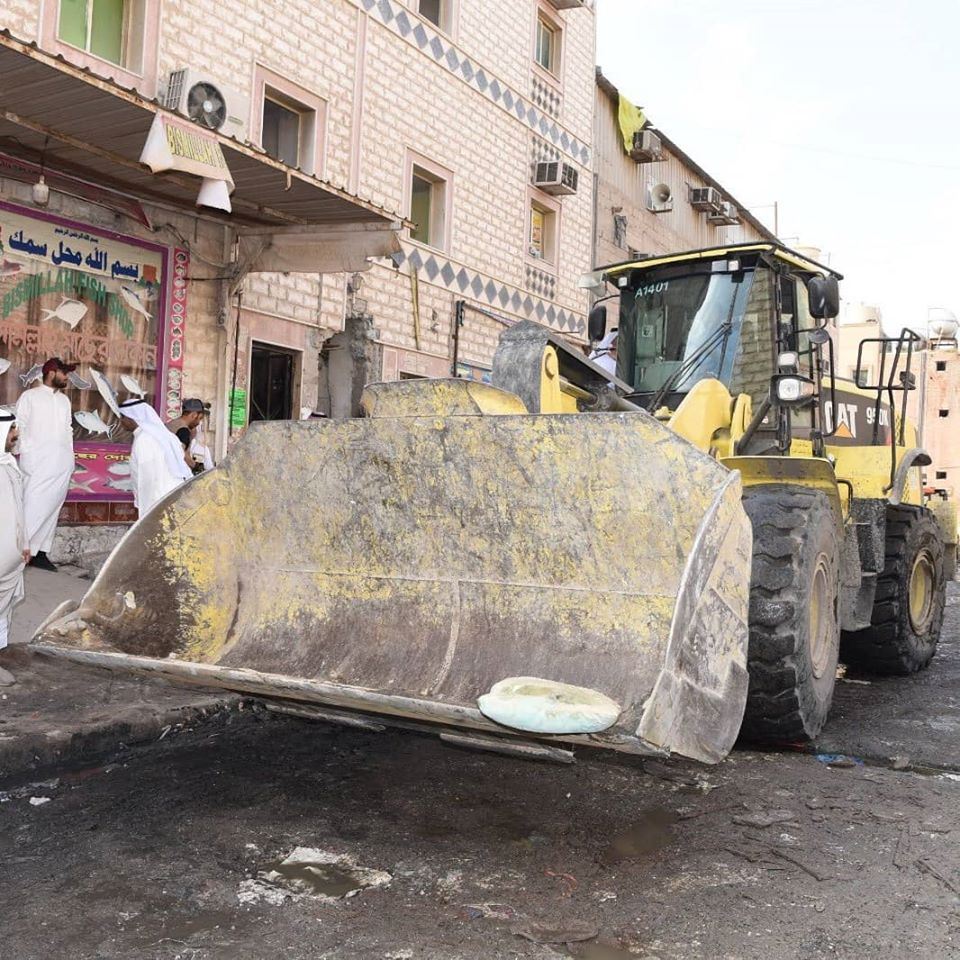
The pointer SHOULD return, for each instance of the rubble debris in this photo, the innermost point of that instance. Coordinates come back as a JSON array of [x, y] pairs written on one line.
[[38, 801], [924, 865], [488, 911], [763, 819], [569, 931]]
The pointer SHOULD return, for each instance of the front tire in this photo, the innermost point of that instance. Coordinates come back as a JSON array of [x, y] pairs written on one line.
[[794, 613], [908, 607]]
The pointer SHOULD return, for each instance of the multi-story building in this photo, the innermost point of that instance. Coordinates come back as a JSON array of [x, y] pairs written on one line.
[[933, 406], [937, 408], [188, 200], [651, 197]]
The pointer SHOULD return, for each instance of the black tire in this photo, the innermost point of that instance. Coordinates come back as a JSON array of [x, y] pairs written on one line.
[[794, 613], [901, 640]]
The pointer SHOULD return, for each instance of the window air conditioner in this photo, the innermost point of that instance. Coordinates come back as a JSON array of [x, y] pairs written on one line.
[[646, 147], [705, 198], [207, 102], [553, 176], [726, 214]]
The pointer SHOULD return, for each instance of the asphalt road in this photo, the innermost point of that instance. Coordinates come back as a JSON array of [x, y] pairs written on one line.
[[176, 851]]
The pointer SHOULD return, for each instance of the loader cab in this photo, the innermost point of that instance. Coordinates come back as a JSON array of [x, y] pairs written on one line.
[[730, 314]]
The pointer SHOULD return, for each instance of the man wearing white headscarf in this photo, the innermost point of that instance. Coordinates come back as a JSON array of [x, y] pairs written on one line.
[[605, 355], [14, 548], [156, 460]]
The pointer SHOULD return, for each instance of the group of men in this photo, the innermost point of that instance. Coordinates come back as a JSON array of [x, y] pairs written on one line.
[[32, 492]]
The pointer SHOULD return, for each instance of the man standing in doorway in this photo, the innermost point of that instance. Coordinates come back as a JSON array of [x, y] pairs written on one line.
[[46, 457]]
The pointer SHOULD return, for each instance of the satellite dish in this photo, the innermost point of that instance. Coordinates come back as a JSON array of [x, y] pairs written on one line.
[[205, 105]]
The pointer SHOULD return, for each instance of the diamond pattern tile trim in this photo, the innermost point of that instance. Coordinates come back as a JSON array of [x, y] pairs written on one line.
[[537, 111], [497, 295]]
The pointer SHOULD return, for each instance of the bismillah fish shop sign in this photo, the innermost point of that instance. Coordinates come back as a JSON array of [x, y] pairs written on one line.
[[100, 300]]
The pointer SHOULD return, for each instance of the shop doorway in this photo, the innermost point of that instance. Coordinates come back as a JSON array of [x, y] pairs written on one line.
[[273, 372]]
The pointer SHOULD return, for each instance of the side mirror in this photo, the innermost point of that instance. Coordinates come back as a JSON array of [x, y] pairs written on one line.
[[597, 322], [824, 297]]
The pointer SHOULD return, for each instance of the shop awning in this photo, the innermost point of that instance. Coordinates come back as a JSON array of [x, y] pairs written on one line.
[[95, 130]]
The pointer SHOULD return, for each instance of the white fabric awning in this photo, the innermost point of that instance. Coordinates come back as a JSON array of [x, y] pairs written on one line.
[[343, 248]]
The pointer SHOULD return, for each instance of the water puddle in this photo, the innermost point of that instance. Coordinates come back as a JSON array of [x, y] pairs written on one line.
[[312, 873], [652, 832], [315, 879]]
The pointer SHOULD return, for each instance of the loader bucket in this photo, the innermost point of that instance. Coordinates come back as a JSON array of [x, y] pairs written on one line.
[[404, 566]]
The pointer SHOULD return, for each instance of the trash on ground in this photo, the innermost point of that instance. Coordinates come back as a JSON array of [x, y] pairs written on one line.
[[488, 911], [839, 760], [310, 873], [570, 931], [38, 801]]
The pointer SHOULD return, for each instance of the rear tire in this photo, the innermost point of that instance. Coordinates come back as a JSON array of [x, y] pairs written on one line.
[[794, 613], [908, 607]]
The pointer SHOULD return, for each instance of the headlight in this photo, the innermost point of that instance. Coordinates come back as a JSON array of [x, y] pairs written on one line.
[[789, 360], [797, 390]]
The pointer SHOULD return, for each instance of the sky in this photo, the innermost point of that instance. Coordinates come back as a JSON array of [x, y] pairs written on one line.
[[845, 112]]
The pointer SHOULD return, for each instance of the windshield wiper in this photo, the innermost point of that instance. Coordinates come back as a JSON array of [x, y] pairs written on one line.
[[691, 364]]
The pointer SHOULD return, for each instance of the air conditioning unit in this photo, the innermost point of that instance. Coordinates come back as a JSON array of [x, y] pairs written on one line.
[[646, 147], [553, 176], [727, 214], [567, 4], [659, 198], [207, 102], [705, 198]]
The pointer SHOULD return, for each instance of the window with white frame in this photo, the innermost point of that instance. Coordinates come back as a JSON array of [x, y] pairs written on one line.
[[438, 12], [429, 189], [547, 45], [109, 29], [289, 121], [542, 231]]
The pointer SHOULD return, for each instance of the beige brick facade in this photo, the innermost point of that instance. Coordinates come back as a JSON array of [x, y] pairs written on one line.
[[626, 225], [390, 86]]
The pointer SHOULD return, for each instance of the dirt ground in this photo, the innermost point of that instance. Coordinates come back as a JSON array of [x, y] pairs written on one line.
[[175, 851]]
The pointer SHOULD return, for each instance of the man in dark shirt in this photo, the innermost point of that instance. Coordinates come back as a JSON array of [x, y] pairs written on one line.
[[185, 427]]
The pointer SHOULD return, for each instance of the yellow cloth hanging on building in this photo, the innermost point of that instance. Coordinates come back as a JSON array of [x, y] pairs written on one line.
[[631, 120]]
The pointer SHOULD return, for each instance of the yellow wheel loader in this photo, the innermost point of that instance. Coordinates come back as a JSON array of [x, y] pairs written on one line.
[[640, 561]]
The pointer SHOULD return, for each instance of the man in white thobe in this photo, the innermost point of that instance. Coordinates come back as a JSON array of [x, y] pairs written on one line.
[[13, 535], [605, 354], [156, 459], [46, 456]]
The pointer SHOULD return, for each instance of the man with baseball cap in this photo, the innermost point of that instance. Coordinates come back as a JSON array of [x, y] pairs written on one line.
[[46, 456], [185, 427]]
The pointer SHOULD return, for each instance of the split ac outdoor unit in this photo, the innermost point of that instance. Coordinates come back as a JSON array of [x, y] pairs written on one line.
[[727, 214], [705, 198], [553, 176], [659, 198], [207, 102], [646, 147]]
